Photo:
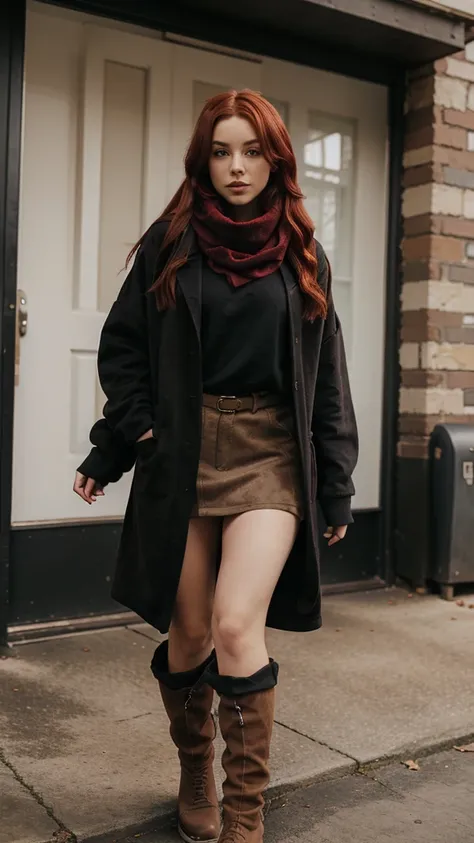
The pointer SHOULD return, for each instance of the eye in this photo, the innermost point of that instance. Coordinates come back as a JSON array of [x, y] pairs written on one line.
[[219, 153], [253, 152]]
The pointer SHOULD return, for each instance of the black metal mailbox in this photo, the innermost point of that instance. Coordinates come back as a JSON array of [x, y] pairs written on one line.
[[452, 506]]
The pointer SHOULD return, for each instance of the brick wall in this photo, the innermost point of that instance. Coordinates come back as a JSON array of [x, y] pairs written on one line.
[[437, 350], [437, 343]]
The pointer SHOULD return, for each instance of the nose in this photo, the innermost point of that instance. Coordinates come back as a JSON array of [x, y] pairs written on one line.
[[237, 167]]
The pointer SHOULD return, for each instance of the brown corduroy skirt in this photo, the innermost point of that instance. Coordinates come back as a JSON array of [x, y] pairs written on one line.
[[249, 460]]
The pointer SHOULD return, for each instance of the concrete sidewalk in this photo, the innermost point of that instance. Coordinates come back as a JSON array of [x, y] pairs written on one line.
[[84, 742]]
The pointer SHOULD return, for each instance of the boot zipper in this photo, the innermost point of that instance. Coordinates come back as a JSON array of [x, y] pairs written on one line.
[[188, 699], [239, 713]]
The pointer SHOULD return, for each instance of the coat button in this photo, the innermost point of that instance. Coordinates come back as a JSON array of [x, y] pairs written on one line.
[[297, 339], [296, 385]]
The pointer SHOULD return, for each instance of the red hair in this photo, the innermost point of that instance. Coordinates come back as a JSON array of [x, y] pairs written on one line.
[[277, 149]]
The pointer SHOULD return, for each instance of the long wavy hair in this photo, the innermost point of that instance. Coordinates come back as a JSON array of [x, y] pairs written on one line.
[[277, 149]]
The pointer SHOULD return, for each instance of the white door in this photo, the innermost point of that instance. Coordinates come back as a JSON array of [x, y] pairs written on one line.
[[338, 128], [108, 115], [95, 149]]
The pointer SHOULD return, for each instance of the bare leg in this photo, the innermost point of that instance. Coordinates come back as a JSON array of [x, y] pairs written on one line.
[[190, 636], [255, 547]]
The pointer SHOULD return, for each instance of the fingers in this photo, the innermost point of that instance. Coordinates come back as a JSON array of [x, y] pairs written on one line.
[[335, 534], [87, 488], [147, 435]]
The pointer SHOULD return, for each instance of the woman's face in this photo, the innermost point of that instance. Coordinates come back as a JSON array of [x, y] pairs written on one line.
[[237, 167]]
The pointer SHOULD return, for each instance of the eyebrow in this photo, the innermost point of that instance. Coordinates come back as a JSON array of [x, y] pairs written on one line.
[[222, 143]]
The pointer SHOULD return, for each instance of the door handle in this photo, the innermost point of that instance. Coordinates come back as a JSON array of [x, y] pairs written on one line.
[[22, 312], [20, 329]]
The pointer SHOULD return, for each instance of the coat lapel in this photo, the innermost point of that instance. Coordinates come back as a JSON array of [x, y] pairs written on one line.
[[189, 279], [295, 318]]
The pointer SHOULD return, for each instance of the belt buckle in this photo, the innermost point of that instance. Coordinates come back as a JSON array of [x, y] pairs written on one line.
[[224, 398]]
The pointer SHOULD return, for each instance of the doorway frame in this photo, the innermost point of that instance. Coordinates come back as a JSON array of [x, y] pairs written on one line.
[[12, 48]]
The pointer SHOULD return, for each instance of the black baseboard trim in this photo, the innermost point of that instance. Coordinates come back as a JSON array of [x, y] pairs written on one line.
[[412, 533], [61, 574]]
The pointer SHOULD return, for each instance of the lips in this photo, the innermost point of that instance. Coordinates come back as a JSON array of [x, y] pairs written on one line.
[[238, 184]]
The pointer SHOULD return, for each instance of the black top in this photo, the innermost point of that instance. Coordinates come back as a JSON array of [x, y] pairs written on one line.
[[244, 335]]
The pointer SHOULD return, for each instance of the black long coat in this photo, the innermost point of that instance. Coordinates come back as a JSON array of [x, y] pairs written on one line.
[[150, 370]]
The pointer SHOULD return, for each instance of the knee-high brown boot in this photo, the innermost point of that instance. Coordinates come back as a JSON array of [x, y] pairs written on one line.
[[246, 714], [188, 703]]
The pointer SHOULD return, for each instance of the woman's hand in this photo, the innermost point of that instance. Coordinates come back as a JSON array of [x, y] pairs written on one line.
[[87, 488], [147, 435], [335, 534]]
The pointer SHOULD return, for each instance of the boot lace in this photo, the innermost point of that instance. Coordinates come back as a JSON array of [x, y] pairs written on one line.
[[199, 780]]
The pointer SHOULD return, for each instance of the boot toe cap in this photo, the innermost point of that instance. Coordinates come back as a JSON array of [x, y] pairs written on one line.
[[200, 826]]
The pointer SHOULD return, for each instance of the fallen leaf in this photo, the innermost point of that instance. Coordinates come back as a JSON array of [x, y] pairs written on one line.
[[471, 606], [454, 619], [391, 602], [409, 595], [418, 822], [85, 650], [62, 837], [469, 747], [460, 603], [412, 765]]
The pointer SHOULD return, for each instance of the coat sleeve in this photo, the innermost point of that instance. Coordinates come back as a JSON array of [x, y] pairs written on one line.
[[124, 374], [333, 425]]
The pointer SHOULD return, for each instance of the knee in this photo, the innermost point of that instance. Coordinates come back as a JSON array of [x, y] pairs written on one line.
[[231, 632], [192, 639]]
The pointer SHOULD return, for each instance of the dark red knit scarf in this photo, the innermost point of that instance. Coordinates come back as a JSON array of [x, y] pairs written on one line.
[[242, 251]]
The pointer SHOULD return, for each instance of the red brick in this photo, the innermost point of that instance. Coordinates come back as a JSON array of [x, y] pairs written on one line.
[[446, 248], [441, 318], [459, 118], [425, 270], [422, 379], [453, 158], [460, 380], [430, 333], [418, 175], [433, 245], [416, 140], [416, 248], [450, 136], [457, 227], [425, 174], [423, 224], [426, 325]]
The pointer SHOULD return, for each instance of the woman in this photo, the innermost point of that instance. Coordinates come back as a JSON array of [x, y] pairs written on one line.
[[223, 365]]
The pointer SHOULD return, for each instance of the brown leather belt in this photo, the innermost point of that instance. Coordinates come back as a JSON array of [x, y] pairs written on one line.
[[233, 403]]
